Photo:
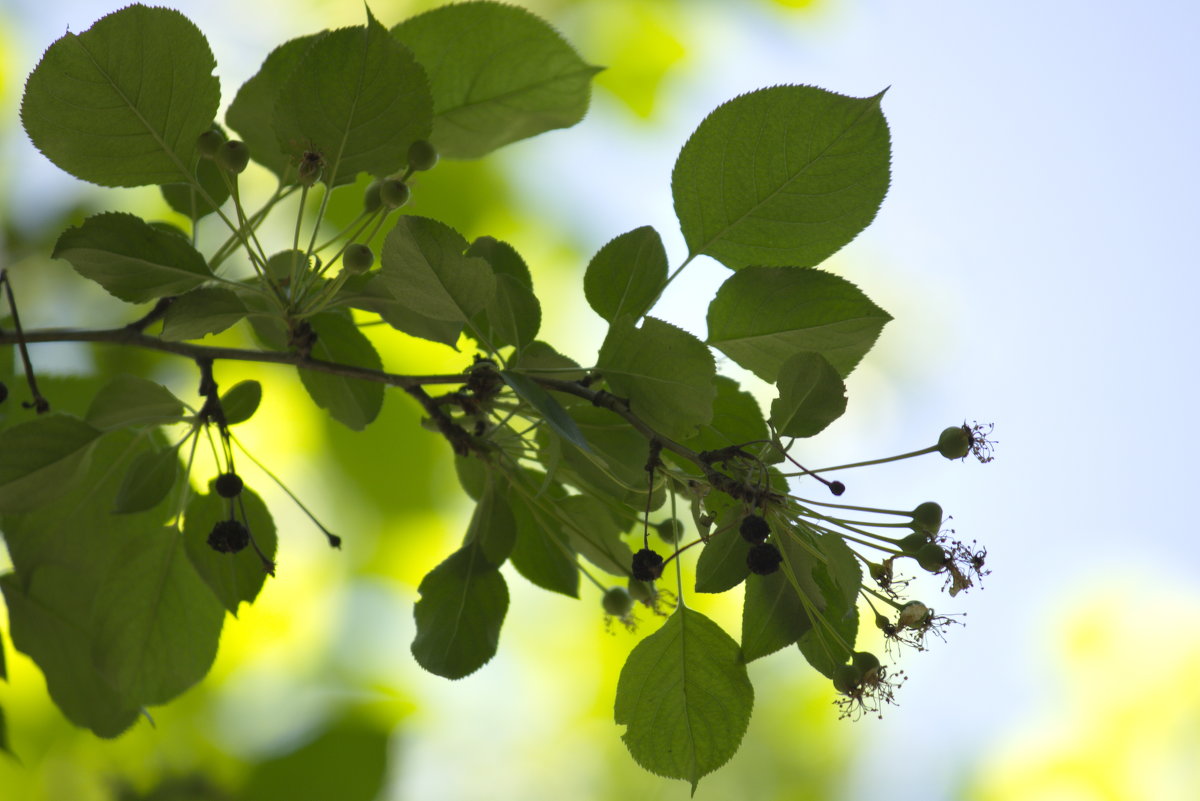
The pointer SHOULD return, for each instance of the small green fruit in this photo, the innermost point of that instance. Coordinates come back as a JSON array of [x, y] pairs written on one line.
[[422, 155], [228, 485], [931, 557], [927, 517], [846, 678], [670, 530], [913, 543], [357, 259], [913, 614], [394, 193], [617, 602], [233, 156], [955, 442], [642, 592], [209, 142], [865, 661], [371, 198]]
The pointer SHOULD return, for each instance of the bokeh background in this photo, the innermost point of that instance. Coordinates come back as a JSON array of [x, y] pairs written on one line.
[[1037, 249]]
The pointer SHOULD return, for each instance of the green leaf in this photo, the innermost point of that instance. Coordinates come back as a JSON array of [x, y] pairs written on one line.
[[722, 563], [737, 420], [190, 202], [3, 664], [148, 480], [64, 653], [685, 697], [512, 317], [240, 401], [826, 650], [783, 176], [626, 276], [664, 372], [542, 554], [252, 112], [423, 268], [551, 410], [462, 606], [811, 396], [498, 74], [347, 761], [762, 316], [4, 744], [129, 400], [614, 466], [374, 295], [122, 103], [39, 459], [203, 311], [503, 257], [235, 578], [492, 526], [773, 616], [358, 97], [133, 260], [156, 624], [351, 401], [594, 533]]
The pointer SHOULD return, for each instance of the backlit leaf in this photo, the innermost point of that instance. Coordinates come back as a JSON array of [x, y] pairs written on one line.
[[762, 316], [149, 479], [811, 396], [130, 400], [462, 606], [783, 176], [122, 103], [625, 277], [39, 458], [685, 698], [773, 616], [498, 74], [352, 401], [424, 269], [203, 311], [240, 401]]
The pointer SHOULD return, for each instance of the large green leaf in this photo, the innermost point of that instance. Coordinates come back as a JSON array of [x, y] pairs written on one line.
[[149, 479], [783, 176], [359, 750], [685, 698], [664, 372], [762, 316], [133, 260], [252, 112], [773, 616], [737, 420], [155, 622], [593, 533], [234, 578], [722, 563], [122, 103], [811, 396], [626, 276], [542, 553], [39, 459], [203, 311], [498, 74], [357, 97], [130, 400], [351, 401], [462, 606], [424, 269], [492, 526], [613, 467]]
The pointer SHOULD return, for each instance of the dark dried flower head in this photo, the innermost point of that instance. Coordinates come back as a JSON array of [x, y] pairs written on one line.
[[228, 536], [647, 565]]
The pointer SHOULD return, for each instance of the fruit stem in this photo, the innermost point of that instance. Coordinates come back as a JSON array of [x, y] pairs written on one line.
[[922, 452]]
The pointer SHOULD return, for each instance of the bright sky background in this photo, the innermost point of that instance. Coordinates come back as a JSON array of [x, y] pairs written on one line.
[[1037, 251]]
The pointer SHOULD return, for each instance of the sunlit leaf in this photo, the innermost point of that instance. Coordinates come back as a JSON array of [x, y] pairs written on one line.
[[685, 698], [122, 103], [133, 260], [498, 74], [462, 606], [762, 316], [783, 176]]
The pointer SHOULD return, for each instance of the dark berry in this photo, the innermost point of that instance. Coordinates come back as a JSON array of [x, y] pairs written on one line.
[[754, 529], [837, 487], [617, 602], [228, 536], [422, 155], [228, 485], [647, 565], [670, 530], [763, 559]]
